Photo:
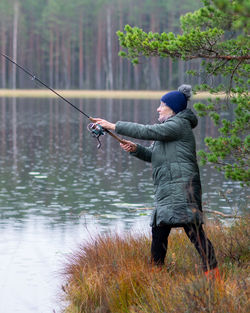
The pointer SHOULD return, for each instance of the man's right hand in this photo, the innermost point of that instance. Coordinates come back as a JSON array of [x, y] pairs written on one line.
[[128, 146]]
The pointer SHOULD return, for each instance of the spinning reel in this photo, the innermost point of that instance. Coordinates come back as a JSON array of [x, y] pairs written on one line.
[[96, 131]]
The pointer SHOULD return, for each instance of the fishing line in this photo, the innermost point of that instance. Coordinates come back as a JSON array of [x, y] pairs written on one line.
[[96, 129]]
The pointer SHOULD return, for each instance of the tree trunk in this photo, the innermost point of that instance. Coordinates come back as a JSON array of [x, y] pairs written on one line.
[[88, 68], [69, 62], [66, 59], [38, 55], [51, 58], [109, 49], [120, 58], [57, 57], [128, 79], [80, 52], [3, 61], [170, 73], [99, 53], [155, 75], [28, 57], [181, 71], [14, 46], [136, 77]]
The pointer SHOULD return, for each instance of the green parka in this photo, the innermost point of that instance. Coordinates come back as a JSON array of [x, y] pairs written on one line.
[[175, 171]]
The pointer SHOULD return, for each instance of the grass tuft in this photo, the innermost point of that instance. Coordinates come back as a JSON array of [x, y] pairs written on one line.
[[113, 274]]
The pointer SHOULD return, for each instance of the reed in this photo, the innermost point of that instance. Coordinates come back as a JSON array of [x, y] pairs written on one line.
[[113, 274]]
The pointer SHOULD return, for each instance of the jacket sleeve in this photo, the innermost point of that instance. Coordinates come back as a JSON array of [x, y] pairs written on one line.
[[143, 153], [168, 131]]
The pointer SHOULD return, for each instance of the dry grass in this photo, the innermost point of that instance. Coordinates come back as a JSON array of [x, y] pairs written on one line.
[[112, 274], [109, 94]]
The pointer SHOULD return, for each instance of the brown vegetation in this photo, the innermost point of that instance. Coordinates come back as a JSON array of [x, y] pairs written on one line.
[[113, 274]]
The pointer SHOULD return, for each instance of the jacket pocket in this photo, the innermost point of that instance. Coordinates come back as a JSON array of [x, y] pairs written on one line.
[[175, 170], [161, 174]]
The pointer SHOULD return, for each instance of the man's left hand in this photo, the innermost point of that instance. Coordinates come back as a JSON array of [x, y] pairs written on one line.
[[105, 124]]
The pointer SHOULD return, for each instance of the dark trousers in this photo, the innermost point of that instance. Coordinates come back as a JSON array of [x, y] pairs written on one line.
[[196, 235]]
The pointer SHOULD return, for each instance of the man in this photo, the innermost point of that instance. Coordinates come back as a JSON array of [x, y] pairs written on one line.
[[175, 174]]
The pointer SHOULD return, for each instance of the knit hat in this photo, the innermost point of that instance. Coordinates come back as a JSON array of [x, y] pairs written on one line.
[[177, 100]]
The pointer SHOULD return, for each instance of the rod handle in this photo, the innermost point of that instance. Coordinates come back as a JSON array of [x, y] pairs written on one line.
[[115, 136]]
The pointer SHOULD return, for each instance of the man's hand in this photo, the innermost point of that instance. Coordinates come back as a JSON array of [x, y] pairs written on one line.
[[105, 124], [128, 146]]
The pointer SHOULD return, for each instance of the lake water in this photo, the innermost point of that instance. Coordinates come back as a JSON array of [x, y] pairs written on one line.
[[57, 191]]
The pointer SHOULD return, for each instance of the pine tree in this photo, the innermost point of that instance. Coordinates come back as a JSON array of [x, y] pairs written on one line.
[[217, 34]]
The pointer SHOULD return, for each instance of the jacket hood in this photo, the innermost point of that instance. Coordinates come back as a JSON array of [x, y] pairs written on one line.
[[190, 116]]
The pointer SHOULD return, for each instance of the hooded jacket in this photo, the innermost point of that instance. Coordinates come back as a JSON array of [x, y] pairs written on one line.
[[175, 174]]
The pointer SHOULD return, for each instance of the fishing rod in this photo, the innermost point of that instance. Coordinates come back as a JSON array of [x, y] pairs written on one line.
[[95, 129]]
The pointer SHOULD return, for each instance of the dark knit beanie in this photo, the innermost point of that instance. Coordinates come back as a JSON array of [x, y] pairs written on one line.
[[177, 100]]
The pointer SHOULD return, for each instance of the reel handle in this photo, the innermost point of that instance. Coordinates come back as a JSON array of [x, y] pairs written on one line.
[[110, 133]]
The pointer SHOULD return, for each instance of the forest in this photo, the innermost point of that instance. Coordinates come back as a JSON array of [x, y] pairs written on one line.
[[74, 45]]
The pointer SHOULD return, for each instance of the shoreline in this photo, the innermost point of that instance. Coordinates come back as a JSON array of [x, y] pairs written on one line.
[[95, 94]]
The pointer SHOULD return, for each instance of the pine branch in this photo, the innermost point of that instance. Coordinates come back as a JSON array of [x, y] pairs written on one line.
[[224, 57]]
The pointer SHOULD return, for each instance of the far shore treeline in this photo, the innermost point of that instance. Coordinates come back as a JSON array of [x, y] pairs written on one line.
[[73, 44]]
